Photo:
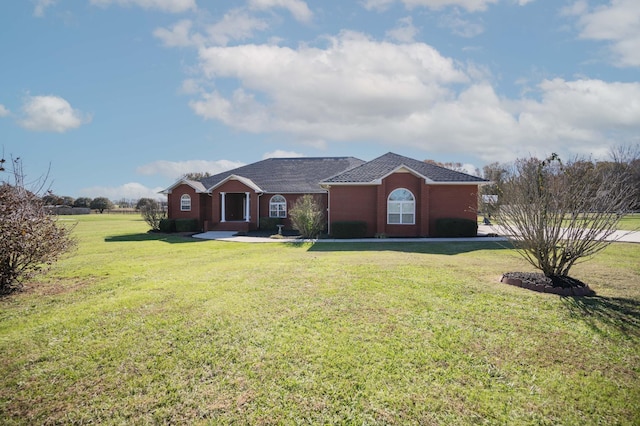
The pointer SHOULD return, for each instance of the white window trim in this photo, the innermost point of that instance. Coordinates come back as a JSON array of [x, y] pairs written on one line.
[[403, 204], [184, 199], [282, 204]]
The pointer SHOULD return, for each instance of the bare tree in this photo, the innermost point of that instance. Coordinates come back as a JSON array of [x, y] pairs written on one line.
[[560, 214], [152, 212], [456, 166], [32, 240], [196, 175]]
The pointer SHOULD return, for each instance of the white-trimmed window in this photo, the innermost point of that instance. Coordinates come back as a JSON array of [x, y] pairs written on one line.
[[401, 207], [185, 203], [278, 206]]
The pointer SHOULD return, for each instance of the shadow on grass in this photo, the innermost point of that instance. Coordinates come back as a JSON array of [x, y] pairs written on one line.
[[619, 313], [153, 236], [447, 248]]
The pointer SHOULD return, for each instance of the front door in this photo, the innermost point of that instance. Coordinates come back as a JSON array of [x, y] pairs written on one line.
[[235, 207]]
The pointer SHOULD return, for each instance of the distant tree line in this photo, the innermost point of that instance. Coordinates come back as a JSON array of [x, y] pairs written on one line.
[[99, 204], [624, 163]]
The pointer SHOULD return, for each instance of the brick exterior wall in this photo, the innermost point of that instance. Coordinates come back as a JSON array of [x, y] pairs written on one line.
[[207, 207], [173, 203], [459, 201], [265, 200], [368, 203]]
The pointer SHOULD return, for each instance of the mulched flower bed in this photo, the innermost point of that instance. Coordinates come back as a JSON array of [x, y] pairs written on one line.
[[563, 286]]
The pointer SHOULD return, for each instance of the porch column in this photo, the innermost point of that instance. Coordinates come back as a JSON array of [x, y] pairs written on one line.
[[223, 207], [247, 215]]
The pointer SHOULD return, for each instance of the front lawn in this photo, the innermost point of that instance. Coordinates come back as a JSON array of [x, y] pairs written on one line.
[[147, 328]]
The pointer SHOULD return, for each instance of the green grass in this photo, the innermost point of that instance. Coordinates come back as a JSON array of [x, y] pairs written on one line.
[[142, 328], [630, 222]]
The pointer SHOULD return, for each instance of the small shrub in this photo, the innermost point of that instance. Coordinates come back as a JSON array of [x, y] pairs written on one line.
[[307, 216], [152, 213], [349, 229], [456, 227], [31, 239], [270, 223], [167, 226], [187, 225]]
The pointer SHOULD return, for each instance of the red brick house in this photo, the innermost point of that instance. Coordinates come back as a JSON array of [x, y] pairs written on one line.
[[394, 195]]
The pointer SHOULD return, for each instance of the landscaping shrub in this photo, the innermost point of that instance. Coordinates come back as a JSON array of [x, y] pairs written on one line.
[[456, 227], [349, 229], [187, 225], [152, 213], [307, 216], [167, 225], [270, 223]]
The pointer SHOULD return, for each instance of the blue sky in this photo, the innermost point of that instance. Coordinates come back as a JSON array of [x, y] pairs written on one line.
[[122, 97]]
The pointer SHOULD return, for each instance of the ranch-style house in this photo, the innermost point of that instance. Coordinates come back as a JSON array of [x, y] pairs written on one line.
[[394, 195]]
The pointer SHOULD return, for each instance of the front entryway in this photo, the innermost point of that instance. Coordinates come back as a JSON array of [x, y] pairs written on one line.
[[235, 207]]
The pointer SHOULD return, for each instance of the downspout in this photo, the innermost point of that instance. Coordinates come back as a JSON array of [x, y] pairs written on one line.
[[328, 209], [258, 210]]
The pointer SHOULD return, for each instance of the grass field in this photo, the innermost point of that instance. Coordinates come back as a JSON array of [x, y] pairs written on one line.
[[137, 328], [630, 222]]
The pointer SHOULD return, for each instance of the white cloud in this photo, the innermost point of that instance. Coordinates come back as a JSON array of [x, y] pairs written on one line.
[[51, 114], [469, 5], [171, 6], [354, 77], [129, 191], [236, 24], [281, 154], [405, 32], [617, 23], [4, 112], [176, 169], [190, 86], [576, 8], [589, 115], [297, 8], [179, 35], [359, 89], [460, 26], [40, 7]]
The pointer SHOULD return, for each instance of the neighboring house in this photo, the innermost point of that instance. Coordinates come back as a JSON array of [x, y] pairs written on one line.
[[394, 195]]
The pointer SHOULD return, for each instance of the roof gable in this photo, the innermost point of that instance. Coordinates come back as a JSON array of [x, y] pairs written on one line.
[[247, 182], [197, 186], [374, 171]]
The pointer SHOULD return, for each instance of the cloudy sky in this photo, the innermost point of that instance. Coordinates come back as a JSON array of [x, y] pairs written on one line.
[[121, 97]]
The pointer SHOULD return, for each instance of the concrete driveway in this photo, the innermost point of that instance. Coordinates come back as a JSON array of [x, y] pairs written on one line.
[[483, 231]]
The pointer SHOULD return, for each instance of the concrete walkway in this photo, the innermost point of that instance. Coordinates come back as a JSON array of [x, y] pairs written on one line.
[[483, 231]]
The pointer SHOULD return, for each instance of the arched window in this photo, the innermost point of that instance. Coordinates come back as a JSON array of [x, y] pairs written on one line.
[[185, 203], [278, 206], [401, 208]]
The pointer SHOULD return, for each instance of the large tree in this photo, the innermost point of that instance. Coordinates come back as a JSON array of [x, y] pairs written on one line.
[[82, 202], [31, 238], [101, 204], [558, 214]]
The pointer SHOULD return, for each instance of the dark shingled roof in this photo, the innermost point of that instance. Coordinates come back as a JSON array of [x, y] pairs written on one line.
[[288, 175], [380, 167]]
